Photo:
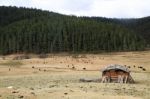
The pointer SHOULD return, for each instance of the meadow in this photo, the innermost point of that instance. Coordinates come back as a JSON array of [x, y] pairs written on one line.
[[57, 76]]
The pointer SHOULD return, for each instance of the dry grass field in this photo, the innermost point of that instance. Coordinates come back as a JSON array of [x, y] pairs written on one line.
[[57, 77]]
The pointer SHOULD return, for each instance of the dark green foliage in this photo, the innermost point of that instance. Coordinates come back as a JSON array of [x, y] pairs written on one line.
[[25, 30], [140, 26]]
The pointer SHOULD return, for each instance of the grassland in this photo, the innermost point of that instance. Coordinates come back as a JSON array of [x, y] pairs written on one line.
[[57, 77], [11, 63]]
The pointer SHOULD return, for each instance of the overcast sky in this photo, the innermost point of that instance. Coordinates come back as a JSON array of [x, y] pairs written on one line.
[[103, 8]]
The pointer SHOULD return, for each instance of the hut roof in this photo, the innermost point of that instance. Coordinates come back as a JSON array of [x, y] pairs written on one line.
[[115, 67]]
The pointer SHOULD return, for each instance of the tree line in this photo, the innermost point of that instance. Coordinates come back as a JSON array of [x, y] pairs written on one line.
[[24, 30]]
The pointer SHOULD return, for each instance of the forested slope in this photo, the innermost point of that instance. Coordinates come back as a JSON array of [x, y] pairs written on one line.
[[24, 30]]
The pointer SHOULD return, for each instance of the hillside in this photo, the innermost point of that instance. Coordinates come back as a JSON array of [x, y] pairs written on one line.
[[24, 30], [140, 26]]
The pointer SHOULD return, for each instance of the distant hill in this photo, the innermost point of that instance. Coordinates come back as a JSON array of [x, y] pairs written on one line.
[[140, 26], [26, 30]]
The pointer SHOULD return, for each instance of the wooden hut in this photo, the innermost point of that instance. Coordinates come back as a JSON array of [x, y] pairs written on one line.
[[116, 74]]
